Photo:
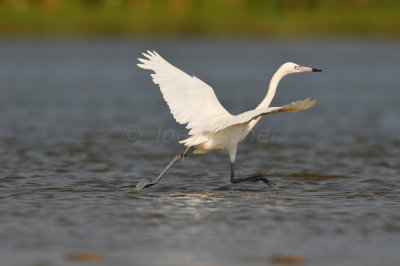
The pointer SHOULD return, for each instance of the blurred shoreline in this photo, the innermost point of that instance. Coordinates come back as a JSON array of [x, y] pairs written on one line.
[[303, 18]]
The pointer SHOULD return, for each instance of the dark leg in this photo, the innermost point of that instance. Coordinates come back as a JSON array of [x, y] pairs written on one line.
[[245, 179], [147, 182]]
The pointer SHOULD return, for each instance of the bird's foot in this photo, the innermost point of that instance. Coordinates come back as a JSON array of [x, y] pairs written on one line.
[[262, 178], [147, 182], [255, 178]]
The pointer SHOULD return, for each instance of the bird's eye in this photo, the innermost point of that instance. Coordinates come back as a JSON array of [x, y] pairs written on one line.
[[296, 67]]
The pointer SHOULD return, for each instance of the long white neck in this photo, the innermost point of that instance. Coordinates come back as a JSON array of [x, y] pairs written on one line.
[[279, 74]]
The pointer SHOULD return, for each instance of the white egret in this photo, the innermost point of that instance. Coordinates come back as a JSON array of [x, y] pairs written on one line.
[[211, 127]]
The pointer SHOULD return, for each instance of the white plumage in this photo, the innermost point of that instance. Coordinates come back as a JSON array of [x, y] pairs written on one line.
[[210, 125], [190, 100]]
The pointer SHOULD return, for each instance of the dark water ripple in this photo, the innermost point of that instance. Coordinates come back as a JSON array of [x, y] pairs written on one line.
[[65, 151]]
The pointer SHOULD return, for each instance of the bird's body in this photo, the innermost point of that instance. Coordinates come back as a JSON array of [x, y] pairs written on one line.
[[225, 139], [210, 125]]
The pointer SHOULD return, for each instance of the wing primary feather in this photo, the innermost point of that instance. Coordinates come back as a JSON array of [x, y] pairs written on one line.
[[254, 114], [191, 101]]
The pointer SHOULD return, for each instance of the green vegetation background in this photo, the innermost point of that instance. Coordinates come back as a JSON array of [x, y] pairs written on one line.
[[200, 17]]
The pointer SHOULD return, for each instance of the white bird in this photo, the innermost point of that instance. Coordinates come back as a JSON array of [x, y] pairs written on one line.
[[211, 127]]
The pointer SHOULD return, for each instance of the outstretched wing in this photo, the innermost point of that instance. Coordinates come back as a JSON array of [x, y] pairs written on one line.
[[254, 114], [190, 100]]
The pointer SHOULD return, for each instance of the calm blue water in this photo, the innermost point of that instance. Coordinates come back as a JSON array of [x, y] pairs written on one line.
[[78, 120]]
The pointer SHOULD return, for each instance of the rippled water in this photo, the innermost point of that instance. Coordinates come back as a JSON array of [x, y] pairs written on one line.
[[78, 120]]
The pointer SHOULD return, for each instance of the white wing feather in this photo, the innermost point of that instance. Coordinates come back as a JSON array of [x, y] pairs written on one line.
[[254, 114], [190, 100]]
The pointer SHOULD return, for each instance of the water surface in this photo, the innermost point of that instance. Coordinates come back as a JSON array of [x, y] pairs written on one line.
[[78, 120]]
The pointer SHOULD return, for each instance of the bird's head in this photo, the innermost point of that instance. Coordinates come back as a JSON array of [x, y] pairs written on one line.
[[289, 68]]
